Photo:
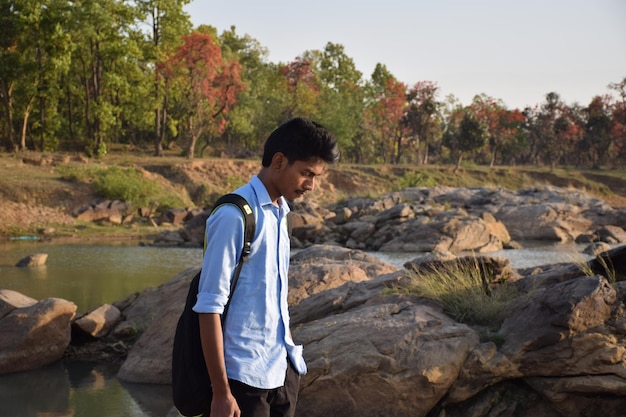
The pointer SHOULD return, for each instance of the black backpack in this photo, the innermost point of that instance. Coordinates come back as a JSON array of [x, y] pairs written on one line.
[[191, 385]]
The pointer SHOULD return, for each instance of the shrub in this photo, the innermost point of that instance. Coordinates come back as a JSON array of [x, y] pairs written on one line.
[[126, 184], [467, 291], [416, 179]]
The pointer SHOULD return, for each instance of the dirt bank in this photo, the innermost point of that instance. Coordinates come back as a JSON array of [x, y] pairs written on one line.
[[35, 197]]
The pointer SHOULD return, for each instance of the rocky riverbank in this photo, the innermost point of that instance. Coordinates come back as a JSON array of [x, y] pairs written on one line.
[[369, 337], [443, 219]]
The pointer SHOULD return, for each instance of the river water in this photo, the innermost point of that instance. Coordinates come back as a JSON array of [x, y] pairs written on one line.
[[94, 274]]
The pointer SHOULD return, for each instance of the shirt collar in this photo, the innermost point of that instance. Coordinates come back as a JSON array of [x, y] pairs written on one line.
[[264, 197]]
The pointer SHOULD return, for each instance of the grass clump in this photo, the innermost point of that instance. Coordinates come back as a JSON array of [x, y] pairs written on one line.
[[469, 289]]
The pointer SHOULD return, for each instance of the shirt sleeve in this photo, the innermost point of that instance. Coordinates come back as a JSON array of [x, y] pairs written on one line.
[[224, 241]]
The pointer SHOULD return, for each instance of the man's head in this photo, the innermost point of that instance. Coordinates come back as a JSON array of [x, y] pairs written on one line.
[[295, 154], [301, 139]]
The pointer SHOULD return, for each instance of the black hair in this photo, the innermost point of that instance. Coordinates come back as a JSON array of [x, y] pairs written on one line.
[[301, 139]]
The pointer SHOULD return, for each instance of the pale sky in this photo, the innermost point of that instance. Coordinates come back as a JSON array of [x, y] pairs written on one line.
[[517, 51]]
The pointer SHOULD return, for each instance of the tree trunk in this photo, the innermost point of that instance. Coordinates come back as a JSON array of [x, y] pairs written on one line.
[[458, 163], [7, 90], [193, 139], [25, 125]]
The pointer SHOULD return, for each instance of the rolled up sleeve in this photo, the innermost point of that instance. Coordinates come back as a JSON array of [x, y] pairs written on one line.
[[224, 240]]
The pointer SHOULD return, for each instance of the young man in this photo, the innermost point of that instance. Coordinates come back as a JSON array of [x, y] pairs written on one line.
[[253, 363]]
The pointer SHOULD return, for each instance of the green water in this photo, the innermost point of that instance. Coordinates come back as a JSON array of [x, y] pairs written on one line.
[[91, 274], [88, 275]]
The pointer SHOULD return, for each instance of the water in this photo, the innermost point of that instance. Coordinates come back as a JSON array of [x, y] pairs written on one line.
[[94, 274]]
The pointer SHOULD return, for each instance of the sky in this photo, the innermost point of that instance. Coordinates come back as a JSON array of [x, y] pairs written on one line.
[[516, 51]]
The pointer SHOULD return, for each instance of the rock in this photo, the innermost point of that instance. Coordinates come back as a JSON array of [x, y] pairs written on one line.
[[112, 211], [37, 259], [382, 355], [596, 248], [322, 267], [100, 321], [611, 234], [35, 335], [155, 314], [174, 216], [10, 300]]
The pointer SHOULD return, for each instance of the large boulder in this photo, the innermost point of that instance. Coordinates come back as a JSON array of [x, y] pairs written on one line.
[[35, 335], [154, 314], [386, 358]]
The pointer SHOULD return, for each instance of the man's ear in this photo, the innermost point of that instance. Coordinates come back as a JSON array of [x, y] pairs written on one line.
[[279, 160]]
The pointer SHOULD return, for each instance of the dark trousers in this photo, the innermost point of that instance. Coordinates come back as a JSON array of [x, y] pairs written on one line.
[[277, 402]]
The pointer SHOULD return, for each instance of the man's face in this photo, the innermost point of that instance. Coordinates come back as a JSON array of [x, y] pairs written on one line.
[[298, 178]]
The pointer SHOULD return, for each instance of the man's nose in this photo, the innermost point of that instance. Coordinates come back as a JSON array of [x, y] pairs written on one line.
[[309, 184]]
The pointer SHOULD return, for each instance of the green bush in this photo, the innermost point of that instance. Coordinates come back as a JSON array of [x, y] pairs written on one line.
[[126, 184], [416, 179]]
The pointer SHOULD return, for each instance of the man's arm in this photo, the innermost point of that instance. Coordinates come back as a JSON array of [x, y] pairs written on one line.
[[223, 403]]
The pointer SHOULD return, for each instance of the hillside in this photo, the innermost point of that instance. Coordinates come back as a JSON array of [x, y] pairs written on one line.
[[35, 194]]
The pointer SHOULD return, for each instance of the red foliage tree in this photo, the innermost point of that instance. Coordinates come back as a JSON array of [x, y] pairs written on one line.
[[206, 86]]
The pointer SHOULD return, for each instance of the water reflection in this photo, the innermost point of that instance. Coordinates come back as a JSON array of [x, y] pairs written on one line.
[[45, 391], [79, 389]]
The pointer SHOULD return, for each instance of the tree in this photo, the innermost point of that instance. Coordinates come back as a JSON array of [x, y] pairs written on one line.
[[423, 116], [618, 109], [208, 86], [260, 106], [598, 132], [466, 135], [386, 103], [554, 131], [105, 58], [341, 107], [302, 86], [167, 23], [502, 124]]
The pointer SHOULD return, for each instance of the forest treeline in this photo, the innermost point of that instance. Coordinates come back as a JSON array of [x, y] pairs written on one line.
[[83, 75]]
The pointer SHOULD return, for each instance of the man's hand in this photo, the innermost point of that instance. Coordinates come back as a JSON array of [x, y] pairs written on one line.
[[224, 406]]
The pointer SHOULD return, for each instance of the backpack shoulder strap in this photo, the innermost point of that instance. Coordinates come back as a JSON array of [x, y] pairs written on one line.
[[248, 236], [248, 216]]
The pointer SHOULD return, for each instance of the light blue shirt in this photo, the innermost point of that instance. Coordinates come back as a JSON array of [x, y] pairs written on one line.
[[257, 340]]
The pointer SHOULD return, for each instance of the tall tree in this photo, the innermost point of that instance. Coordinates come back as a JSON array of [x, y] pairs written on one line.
[[423, 117], [103, 61], [302, 86], [386, 102], [465, 135], [208, 86], [619, 118], [34, 52], [502, 125], [167, 22], [598, 135], [260, 105], [341, 106]]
